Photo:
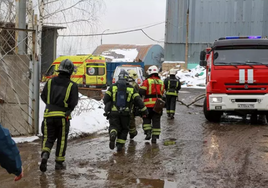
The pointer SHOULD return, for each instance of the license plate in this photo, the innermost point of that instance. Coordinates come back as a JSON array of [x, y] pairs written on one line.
[[247, 106]]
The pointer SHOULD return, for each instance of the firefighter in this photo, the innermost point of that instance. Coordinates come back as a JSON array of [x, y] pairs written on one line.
[[172, 85], [9, 154], [135, 111], [60, 95], [152, 88], [122, 96]]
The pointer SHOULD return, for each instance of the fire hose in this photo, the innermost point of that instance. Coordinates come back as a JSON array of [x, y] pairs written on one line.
[[198, 98]]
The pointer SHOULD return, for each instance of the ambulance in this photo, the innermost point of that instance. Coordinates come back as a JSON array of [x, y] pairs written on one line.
[[89, 70]]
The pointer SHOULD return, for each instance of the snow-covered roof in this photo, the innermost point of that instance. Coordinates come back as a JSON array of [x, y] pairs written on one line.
[[123, 52]]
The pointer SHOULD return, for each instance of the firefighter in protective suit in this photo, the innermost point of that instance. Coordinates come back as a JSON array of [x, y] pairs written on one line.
[[60, 95], [172, 85], [120, 98], [135, 111], [152, 88]]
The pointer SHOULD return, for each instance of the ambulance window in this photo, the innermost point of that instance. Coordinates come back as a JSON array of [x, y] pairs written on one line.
[[51, 71], [93, 69]]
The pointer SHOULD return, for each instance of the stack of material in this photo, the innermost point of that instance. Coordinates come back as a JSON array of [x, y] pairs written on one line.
[[167, 65]]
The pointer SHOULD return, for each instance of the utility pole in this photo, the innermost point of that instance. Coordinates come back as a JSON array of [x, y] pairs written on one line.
[[30, 53], [186, 40], [20, 23]]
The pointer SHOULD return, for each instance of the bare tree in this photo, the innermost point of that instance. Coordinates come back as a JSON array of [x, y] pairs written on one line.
[[76, 15], [7, 11]]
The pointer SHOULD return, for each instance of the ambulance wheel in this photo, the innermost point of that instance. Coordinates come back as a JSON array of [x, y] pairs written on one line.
[[212, 116]]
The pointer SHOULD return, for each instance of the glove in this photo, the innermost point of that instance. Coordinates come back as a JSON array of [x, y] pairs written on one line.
[[17, 178], [145, 113], [107, 115]]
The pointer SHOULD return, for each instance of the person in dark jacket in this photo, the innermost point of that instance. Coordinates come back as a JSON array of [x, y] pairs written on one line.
[[9, 154], [119, 100], [60, 95], [172, 85]]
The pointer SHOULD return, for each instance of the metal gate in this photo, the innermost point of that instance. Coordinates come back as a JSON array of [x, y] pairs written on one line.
[[19, 81]]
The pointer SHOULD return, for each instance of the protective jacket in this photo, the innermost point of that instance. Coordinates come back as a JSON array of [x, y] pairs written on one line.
[[119, 118], [9, 153], [152, 88], [132, 98], [60, 95], [172, 85]]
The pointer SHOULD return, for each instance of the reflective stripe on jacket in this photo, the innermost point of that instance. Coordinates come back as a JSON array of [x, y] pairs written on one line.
[[133, 98], [154, 87], [172, 86], [57, 111]]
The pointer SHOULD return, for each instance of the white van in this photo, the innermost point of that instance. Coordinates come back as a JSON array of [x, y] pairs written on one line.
[[135, 70]]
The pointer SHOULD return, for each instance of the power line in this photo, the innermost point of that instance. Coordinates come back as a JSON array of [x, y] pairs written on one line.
[[111, 33], [119, 32]]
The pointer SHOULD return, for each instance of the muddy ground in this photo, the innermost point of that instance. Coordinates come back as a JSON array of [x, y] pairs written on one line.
[[230, 154]]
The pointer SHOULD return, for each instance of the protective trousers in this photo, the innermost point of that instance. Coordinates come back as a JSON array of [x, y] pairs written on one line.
[[171, 104], [152, 122], [120, 124], [55, 128], [132, 125]]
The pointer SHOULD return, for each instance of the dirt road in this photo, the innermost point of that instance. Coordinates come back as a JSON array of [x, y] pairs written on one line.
[[230, 154]]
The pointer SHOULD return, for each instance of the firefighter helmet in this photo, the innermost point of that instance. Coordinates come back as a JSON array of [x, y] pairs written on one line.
[[133, 74], [123, 75], [66, 66], [172, 71], [152, 70]]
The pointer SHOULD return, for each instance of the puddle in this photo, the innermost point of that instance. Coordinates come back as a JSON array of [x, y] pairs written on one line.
[[156, 183]]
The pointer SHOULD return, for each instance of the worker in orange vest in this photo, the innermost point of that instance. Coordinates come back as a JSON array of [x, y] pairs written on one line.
[[152, 88]]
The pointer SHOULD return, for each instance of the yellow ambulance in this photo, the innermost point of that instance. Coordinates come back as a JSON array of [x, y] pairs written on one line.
[[89, 70]]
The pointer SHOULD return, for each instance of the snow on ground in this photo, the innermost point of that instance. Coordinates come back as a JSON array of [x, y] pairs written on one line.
[[193, 78], [88, 115], [87, 118]]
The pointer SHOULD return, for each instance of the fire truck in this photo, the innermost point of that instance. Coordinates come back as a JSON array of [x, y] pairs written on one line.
[[236, 77]]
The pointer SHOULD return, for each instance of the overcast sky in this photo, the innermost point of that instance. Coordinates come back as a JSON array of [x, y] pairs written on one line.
[[121, 15]]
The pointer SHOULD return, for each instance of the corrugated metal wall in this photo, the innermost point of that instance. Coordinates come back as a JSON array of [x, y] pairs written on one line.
[[209, 20]]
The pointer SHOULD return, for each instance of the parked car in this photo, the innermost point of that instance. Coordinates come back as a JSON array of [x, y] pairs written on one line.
[[137, 72]]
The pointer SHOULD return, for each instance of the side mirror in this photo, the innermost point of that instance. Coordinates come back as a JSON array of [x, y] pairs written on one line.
[[203, 55], [203, 63]]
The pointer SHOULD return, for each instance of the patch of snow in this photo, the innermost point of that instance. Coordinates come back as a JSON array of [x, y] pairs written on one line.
[[129, 55], [193, 78], [87, 118], [25, 139]]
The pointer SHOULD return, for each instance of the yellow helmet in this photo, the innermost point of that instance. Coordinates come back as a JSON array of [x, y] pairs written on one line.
[[133, 74]]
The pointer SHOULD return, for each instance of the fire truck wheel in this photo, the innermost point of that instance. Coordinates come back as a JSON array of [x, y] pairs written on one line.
[[212, 116]]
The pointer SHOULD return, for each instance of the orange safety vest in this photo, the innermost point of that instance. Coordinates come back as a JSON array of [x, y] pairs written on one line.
[[154, 88]]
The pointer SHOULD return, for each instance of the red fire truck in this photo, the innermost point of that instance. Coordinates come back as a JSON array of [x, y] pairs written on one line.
[[237, 77]]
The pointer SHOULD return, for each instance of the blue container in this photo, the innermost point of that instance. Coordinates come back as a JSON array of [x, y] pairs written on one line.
[[110, 67]]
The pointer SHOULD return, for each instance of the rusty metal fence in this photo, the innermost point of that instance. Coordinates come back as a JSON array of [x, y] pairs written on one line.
[[19, 81]]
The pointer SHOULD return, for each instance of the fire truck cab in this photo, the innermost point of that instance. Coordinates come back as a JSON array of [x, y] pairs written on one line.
[[237, 77]]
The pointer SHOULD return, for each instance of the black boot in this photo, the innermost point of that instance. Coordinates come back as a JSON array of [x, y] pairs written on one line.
[[119, 147], [154, 137], [148, 134], [171, 116], [60, 165], [132, 135], [43, 165], [112, 140]]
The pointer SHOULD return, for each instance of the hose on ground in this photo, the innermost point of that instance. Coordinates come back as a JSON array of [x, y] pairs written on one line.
[[198, 98]]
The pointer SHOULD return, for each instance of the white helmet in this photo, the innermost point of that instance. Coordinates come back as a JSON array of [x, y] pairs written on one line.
[[172, 71], [152, 69]]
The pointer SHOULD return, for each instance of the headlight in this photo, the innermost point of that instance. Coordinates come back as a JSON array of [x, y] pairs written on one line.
[[216, 99]]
